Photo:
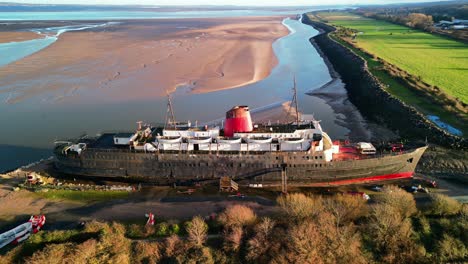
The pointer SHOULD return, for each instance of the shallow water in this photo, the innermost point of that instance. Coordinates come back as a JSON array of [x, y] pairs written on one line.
[[13, 51], [37, 123], [436, 120]]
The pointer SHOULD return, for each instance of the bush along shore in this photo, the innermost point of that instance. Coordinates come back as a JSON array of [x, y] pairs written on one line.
[[367, 93]]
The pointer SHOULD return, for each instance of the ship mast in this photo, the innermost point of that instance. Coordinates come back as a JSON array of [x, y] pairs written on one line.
[[295, 101], [170, 118]]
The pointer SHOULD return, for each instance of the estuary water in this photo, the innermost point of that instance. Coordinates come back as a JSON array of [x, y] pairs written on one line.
[[35, 125], [13, 51], [119, 15]]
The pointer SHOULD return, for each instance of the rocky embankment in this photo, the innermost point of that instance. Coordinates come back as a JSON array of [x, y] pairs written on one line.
[[445, 163], [376, 104]]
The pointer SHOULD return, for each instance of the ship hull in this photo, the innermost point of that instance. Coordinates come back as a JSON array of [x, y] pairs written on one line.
[[269, 168]]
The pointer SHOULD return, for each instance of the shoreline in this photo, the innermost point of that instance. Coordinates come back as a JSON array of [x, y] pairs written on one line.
[[335, 94]]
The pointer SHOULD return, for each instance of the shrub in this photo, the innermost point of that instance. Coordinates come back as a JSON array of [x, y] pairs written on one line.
[[173, 246], [149, 230], [113, 246], [53, 253], [197, 255], [146, 252], [219, 257], [197, 230], [298, 206], [134, 231], [233, 238], [304, 242], [346, 208], [94, 226], [321, 241], [339, 243], [174, 229], [450, 249], [402, 201], [390, 236], [237, 215], [85, 251], [162, 229], [443, 205]]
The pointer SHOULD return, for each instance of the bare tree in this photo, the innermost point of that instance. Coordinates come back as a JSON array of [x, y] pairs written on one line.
[[197, 231], [260, 243]]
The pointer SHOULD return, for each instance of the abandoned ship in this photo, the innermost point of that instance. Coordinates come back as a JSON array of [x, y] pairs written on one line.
[[299, 153]]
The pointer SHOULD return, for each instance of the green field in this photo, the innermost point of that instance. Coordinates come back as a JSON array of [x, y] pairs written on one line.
[[436, 60]]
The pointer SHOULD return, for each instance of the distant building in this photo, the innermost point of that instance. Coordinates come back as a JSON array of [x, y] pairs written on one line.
[[454, 24]]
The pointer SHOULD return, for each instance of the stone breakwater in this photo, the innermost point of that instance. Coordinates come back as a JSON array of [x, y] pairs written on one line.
[[369, 96]]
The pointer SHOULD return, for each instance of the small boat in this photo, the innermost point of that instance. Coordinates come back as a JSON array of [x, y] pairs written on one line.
[[229, 140], [169, 140], [260, 140], [200, 140], [295, 140]]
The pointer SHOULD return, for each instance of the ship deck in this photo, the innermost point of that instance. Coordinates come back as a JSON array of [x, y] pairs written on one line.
[[105, 141], [347, 152]]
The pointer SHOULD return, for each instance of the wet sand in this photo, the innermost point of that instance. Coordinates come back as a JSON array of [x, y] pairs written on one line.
[[6, 37], [136, 60]]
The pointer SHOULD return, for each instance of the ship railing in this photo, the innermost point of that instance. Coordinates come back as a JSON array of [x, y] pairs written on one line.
[[379, 154]]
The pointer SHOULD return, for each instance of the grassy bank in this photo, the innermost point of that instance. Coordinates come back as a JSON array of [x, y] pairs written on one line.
[[83, 196], [374, 48], [436, 60]]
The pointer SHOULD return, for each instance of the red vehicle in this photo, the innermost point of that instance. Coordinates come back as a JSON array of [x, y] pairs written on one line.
[[23, 231]]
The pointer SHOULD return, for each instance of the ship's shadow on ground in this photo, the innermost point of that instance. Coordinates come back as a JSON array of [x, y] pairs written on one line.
[[144, 203]]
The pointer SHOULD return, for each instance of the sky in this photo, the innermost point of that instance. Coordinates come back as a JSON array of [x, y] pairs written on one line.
[[217, 2]]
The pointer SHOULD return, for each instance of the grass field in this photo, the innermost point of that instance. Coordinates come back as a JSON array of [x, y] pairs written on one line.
[[83, 196], [436, 60]]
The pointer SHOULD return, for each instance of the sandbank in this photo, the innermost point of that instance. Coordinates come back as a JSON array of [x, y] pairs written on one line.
[[6, 37], [136, 60]]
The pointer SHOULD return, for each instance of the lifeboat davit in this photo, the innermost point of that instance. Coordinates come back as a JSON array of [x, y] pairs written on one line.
[[150, 147], [260, 140], [227, 140], [169, 140], [200, 140]]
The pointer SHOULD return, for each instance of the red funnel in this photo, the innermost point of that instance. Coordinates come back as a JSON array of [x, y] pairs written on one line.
[[237, 120]]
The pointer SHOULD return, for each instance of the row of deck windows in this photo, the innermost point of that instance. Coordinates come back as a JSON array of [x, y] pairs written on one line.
[[132, 157]]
